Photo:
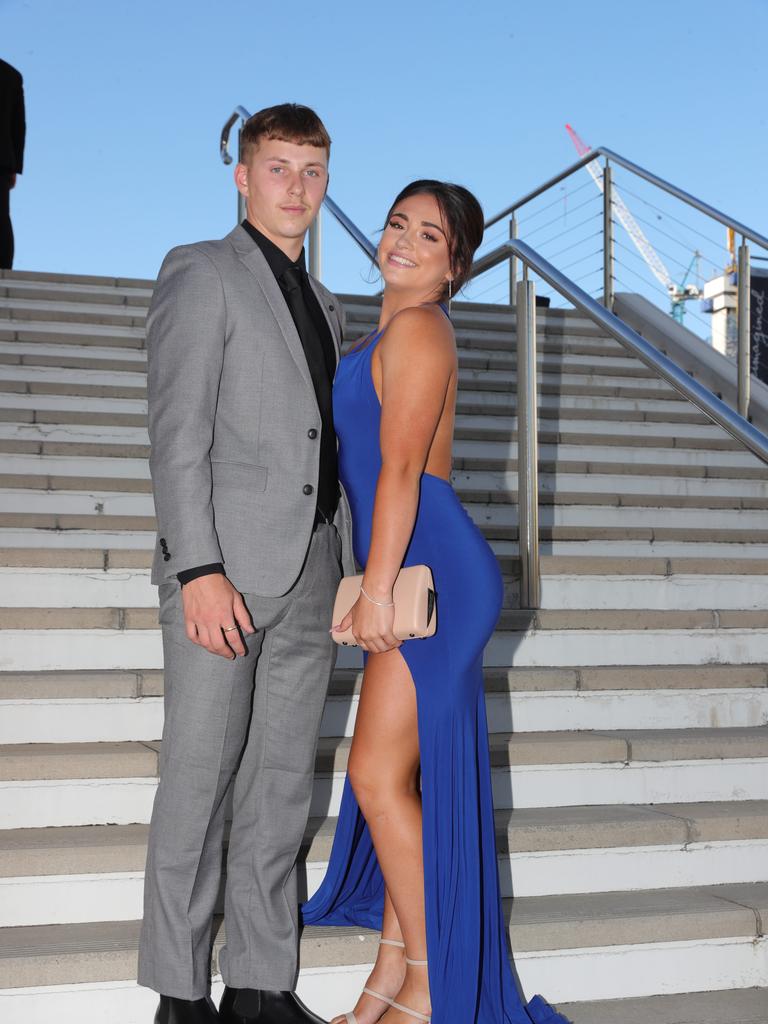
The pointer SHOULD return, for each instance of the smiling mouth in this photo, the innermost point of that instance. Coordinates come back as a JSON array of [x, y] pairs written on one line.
[[400, 261]]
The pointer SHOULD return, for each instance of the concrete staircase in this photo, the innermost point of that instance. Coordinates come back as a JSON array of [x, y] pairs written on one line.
[[628, 716]]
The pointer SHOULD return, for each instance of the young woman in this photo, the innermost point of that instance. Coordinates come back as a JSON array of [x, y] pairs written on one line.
[[414, 853]]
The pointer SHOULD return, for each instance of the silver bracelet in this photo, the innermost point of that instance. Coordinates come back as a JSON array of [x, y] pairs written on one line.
[[381, 604]]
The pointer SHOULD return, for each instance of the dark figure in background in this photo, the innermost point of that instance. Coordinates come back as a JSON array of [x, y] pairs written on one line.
[[12, 132]]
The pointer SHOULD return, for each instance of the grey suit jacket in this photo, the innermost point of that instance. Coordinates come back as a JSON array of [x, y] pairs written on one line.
[[231, 411]]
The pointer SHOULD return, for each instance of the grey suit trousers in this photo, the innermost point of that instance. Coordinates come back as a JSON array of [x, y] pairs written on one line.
[[250, 724]]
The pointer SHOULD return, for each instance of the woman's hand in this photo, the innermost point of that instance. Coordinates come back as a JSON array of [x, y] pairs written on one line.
[[371, 626]]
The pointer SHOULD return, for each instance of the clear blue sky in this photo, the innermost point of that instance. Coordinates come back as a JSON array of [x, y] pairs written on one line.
[[125, 102]]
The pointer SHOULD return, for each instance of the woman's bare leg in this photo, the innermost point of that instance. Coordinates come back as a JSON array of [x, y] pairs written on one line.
[[383, 772]]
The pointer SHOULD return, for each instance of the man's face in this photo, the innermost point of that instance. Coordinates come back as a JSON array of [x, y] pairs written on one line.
[[284, 185]]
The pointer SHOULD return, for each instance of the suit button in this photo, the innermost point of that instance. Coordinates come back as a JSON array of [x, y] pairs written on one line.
[[166, 557], [308, 488], [331, 307], [312, 433]]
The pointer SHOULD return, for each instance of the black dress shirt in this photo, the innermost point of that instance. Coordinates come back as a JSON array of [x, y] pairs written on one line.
[[320, 353]]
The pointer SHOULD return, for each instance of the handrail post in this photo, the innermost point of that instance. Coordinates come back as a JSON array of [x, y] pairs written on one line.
[[608, 237], [513, 262], [315, 246], [743, 317], [527, 445]]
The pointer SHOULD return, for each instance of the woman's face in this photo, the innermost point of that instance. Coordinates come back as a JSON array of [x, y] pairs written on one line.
[[413, 251]]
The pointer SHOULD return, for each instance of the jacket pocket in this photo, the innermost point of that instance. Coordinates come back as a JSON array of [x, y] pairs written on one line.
[[238, 476]]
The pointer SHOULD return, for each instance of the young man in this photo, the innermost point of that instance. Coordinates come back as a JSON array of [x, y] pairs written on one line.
[[252, 535]]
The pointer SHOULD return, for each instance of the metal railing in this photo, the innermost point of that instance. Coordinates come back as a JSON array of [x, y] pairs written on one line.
[[523, 298], [612, 158], [527, 417]]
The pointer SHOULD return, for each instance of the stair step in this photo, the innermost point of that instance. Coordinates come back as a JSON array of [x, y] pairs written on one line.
[[57, 578], [63, 719], [468, 454], [109, 411], [93, 849], [54, 784], [96, 873], [118, 442], [562, 638], [732, 1006], [83, 684], [478, 349], [113, 618], [108, 559], [128, 544], [605, 924]]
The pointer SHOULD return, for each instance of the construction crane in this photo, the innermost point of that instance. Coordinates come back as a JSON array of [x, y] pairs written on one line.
[[679, 293]]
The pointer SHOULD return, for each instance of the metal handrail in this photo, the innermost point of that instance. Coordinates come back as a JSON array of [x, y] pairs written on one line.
[[351, 228], [737, 426], [743, 356], [654, 179], [238, 112], [527, 414]]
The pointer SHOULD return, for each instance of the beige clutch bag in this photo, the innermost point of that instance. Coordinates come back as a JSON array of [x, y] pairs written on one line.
[[415, 607]]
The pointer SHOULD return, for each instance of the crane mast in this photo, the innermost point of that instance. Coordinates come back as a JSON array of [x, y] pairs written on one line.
[[678, 293]]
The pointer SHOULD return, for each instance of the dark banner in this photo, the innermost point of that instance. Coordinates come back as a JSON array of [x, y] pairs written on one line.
[[758, 323]]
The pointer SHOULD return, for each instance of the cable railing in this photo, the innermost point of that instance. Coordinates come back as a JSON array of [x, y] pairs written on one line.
[[527, 417], [512, 251], [638, 226]]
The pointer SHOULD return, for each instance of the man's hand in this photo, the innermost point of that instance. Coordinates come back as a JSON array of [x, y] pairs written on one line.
[[211, 607]]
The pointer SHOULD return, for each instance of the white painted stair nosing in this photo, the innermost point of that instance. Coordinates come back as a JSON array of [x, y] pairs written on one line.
[[117, 896], [117, 719], [63, 587], [30, 650], [106, 503], [573, 975], [47, 803], [26, 537]]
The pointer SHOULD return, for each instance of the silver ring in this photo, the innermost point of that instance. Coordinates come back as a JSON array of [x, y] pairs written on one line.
[[228, 629]]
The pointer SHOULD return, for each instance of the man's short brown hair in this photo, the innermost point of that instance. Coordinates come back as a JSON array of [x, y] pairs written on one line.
[[289, 122]]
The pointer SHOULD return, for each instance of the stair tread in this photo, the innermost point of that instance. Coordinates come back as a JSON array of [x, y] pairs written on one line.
[[77, 684], [732, 1006], [139, 759], [511, 619], [47, 954], [88, 849], [115, 559]]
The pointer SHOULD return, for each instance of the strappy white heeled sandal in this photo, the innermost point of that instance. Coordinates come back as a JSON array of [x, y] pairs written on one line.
[[407, 1009], [350, 1015]]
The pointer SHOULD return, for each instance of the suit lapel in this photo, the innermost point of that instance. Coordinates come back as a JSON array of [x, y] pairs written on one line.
[[251, 256], [332, 327]]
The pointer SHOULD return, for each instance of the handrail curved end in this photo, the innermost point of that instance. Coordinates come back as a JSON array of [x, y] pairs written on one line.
[[226, 156]]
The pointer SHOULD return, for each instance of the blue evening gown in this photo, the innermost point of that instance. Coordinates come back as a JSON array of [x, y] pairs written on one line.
[[470, 975]]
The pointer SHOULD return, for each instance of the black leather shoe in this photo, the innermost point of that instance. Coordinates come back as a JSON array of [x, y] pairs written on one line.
[[185, 1011], [249, 1005]]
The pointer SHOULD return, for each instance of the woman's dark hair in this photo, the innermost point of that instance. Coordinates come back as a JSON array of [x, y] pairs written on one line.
[[462, 217]]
